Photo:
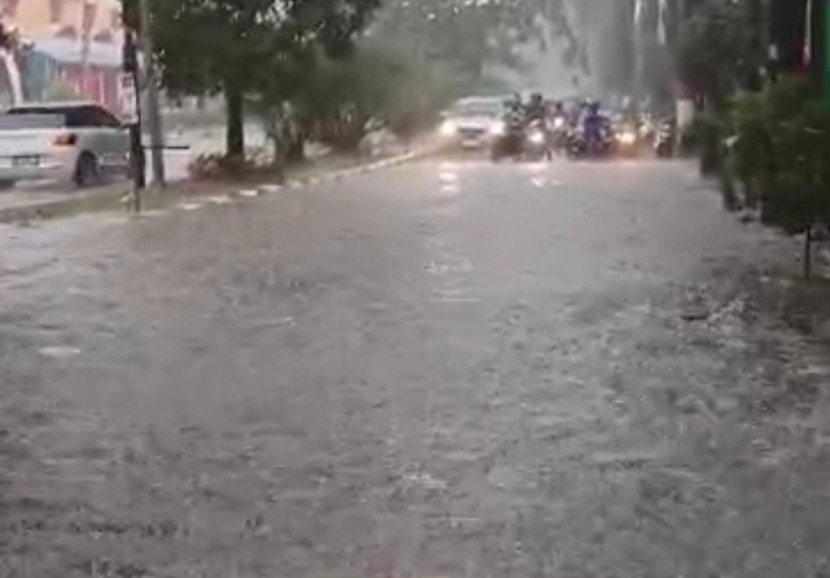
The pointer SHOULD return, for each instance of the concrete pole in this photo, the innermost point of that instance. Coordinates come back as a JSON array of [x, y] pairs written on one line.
[[153, 112], [88, 13]]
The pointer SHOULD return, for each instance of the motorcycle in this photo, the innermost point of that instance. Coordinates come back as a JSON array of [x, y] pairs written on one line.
[[507, 137], [627, 141], [519, 140], [665, 139], [559, 135], [537, 142], [581, 145]]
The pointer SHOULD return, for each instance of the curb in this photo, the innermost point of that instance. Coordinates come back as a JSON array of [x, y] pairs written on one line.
[[302, 182], [74, 204], [114, 197]]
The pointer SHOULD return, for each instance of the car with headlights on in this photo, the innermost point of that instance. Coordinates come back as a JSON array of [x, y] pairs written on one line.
[[471, 122]]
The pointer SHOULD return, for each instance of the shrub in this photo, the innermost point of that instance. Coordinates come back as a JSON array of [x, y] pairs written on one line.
[[782, 157]]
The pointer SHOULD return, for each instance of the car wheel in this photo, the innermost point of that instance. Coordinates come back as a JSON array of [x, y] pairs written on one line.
[[6, 185], [86, 171]]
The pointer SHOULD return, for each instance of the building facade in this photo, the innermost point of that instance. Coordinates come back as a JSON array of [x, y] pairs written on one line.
[[64, 48]]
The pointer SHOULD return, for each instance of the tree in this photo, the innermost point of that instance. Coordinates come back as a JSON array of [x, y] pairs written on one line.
[[719, 51], [226, 45], [470, 35], [782, 155]]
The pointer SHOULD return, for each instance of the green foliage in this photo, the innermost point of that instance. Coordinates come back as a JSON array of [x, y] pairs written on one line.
[[718, 49], [783, 153], [468, 36], [336, 100], [229, 45], [708, 133]]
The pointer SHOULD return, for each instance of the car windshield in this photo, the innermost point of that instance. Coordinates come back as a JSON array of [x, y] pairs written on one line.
[[17, 119], [478, 108]]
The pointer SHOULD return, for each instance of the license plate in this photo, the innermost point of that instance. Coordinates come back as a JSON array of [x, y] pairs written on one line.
[[26, 161]]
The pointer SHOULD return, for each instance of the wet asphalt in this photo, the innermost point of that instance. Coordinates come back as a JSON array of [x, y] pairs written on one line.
[[443, 369]]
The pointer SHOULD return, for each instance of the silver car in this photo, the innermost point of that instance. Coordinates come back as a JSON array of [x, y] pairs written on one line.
[[470, 123], [70, 142]]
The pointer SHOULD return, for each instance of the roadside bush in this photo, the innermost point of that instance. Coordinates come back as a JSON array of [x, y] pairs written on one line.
[[218, 166], [706, 137], [782, 158]]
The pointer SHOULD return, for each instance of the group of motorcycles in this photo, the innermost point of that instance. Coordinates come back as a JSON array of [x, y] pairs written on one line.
[[559, 136]]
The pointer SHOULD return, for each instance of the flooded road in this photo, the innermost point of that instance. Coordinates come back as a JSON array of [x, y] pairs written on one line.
[[443, 369]]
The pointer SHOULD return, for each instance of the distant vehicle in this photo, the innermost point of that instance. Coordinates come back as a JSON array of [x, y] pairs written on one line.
[[469, 123], [665, 139], [628, 140], [602, 145], [520, 140], [70, 142]]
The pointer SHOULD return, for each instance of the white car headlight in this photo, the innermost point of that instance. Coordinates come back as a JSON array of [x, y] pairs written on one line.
[[448, 128], [627, 138], [558, 122], [498, 128], [536, 137]]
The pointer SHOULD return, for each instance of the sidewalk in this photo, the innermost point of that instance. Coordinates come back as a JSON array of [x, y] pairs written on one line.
[[33, 205]]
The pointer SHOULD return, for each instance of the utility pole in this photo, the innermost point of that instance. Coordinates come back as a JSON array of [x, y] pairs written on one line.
[[132, 109], [153, 115], [89, 12]]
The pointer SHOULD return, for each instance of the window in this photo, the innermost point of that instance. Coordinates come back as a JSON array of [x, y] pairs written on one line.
[[76, 116], [92, 116], [106, 118]]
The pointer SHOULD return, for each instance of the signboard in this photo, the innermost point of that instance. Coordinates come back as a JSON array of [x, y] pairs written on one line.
[[127, 98]]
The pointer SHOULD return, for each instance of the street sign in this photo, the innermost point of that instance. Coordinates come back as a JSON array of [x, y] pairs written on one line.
[[127, 98]]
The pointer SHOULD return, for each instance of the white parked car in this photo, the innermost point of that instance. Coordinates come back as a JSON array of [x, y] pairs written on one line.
[[69, 142]]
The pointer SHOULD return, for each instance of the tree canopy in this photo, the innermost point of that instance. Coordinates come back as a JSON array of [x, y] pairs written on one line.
[[228, 45], [469, 35], [717, 51]]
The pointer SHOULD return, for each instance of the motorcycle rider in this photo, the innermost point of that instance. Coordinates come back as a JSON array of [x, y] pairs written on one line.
[[537, 115], [593, 127], [558, 110], [510, 139], [536, 109], [559, 126]]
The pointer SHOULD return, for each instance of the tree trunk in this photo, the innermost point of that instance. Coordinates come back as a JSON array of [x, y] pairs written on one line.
[[295, 147], [295, 152], [235, 135], [808, 253]]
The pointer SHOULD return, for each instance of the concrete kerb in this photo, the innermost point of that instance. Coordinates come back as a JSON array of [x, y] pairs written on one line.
[[114, 197], [80, 202], [331, 176]]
